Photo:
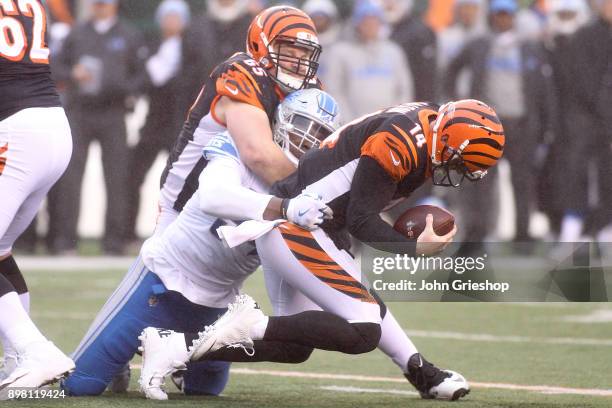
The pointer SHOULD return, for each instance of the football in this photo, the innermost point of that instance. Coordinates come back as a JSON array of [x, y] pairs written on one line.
[[412, 222]]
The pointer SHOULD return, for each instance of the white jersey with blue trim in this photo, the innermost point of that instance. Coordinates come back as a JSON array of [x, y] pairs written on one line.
[[188, 256]]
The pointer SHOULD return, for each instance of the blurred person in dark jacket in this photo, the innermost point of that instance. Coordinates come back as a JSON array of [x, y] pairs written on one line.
[[565, 18], [467, 25], [589, 125], [164, 119], [102, 63], [418, 42], [211, 38], [515, 78]]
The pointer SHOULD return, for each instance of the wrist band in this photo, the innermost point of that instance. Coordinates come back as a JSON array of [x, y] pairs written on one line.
[[284, 206]]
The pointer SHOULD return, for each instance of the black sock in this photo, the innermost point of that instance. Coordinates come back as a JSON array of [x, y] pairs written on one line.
[[271, 351], [324, 330], [10, 270], [5, 286]]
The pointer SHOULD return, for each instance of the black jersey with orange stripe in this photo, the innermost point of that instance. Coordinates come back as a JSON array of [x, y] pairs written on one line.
[[239, 78], [25, 76], [390, 143]]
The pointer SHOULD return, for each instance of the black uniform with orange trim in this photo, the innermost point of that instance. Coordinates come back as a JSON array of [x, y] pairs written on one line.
[[239, 78], [25, 76], [363, 167]]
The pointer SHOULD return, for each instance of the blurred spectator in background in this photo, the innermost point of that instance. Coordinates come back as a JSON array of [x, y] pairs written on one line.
[[466, 27], [369, 72], [210, 39], [418, 42], [324, 14], [102, 64], [164, 118], [589, 122], [515, 79], [566, 17], [531, 21]]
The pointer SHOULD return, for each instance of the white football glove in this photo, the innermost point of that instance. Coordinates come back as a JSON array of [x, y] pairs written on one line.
[[306, 210]]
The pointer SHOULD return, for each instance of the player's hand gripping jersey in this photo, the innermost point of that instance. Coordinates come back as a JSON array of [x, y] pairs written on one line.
[[25, 76], [363, 167], [239, 78]]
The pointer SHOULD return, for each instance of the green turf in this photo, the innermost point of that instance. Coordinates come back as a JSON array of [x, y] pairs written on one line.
[[64, 303]]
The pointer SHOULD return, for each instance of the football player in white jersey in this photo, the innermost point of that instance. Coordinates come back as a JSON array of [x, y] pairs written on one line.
[[188, 277], [240, 95]]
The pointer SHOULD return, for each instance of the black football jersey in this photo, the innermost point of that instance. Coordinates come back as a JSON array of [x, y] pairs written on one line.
[[393, 138], [25, 76], [239, 78]]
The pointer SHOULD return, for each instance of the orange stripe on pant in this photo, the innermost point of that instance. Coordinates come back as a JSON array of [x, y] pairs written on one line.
[[323, 271]]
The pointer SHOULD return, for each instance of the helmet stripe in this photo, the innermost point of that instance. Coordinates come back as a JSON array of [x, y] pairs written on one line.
[[489, 156], [493, 143], [293, 27], [283, 17], [468, 121], [492, 118]]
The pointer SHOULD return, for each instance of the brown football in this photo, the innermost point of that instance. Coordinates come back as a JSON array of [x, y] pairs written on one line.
[[412, 222]]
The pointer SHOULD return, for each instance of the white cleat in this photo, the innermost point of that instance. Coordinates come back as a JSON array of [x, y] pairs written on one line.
[[163, 353], [40, 364], [433, 383], [451, 388], [232, 329]]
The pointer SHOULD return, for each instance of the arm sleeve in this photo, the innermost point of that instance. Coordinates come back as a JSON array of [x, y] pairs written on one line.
[[223, 195], [371, 190]]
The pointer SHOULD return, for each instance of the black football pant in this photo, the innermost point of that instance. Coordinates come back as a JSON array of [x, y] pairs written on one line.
[[107, 126]]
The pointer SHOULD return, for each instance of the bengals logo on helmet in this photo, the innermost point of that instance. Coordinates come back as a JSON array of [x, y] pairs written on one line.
[[280, 25]]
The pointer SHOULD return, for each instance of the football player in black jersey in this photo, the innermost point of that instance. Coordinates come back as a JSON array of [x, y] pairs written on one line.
[[35, 148], [360, 170]]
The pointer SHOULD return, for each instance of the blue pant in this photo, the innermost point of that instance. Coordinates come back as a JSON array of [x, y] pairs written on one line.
[[140, 301]]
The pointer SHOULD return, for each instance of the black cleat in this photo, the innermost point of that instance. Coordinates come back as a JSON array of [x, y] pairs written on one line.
[[433, 383]]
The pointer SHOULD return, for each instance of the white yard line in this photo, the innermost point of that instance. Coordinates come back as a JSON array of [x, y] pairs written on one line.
[[356, 390], [482, 337], [595, 316], [543, 389], [74, 263]]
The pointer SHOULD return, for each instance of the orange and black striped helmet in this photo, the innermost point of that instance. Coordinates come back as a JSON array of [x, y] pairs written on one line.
[[468, 138], [284, 41]]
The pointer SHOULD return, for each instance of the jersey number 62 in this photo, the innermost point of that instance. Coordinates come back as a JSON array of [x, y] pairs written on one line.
[[13, 37]]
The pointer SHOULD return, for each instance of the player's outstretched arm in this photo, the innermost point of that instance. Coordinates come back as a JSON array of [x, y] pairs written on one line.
[[223, 195]]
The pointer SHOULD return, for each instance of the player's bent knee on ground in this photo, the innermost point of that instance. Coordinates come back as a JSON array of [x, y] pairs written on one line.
[[367, 338]]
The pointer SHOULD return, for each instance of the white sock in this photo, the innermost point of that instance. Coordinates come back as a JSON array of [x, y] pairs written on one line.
[[257, 331], [571, 228], [16, 327], [25, 301], [395, 343]]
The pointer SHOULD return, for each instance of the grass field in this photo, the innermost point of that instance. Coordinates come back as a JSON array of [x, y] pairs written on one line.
[[516, 355]]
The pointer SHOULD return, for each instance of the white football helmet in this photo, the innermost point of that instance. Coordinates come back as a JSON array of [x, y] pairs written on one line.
[[304, 119]]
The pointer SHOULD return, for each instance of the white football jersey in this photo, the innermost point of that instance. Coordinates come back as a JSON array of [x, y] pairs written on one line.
[[188, 256]]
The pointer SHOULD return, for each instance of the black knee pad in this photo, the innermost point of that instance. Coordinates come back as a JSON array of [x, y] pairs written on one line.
[[369, 334], [297, 354], [10, 270]]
